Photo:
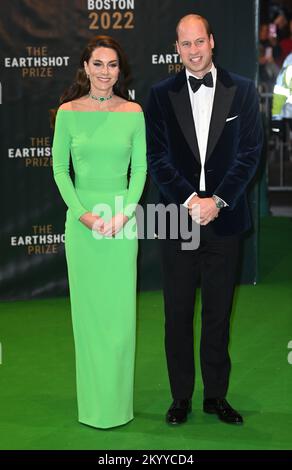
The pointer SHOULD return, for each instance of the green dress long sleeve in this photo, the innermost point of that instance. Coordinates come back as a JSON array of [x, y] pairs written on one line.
[[101, 270]]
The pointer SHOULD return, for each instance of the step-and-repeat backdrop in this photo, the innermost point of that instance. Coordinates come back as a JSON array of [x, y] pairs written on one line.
[[40, 45]]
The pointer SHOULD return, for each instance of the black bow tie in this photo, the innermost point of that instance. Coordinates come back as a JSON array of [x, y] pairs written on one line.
[[195, 83]]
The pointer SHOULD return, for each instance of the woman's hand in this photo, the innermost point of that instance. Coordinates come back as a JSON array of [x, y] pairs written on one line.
[[92, 221], [113, 226]]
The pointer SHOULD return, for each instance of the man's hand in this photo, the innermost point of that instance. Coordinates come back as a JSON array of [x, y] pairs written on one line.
[[203, 210]]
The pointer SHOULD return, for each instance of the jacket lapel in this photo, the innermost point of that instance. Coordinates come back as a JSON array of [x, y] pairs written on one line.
[[224, 94], [179, 97]]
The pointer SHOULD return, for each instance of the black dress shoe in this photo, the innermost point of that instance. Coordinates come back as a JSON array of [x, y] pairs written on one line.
[[223, 410], [178, 411]]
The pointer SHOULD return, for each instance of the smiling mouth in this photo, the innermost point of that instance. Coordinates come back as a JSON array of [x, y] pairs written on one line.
[[195, 60]]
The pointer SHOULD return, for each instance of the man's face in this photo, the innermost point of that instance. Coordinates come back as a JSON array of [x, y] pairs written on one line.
[[195, 46]]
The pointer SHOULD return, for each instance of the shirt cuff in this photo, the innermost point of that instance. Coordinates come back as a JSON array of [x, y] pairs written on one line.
[[185, 204]]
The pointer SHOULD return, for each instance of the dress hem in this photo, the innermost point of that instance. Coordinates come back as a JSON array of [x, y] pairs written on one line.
[[106, 427]]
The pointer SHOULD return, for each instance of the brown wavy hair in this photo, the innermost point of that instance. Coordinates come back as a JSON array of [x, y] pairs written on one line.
[[81, 85]]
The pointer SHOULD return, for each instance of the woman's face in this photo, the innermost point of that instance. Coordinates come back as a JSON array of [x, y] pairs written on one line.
[[103, 69]]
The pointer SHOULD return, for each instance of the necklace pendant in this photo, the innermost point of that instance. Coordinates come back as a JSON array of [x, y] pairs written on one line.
[[101, 99]]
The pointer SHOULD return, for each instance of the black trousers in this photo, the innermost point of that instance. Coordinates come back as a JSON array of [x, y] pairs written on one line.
[[214, 264]]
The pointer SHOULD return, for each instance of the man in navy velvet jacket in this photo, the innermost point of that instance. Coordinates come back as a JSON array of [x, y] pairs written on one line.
[[204, 142]]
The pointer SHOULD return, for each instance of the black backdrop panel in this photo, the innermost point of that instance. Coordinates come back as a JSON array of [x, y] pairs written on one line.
[[40, 43]]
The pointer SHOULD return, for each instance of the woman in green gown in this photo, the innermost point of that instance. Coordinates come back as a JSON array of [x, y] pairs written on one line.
[[104, 134]]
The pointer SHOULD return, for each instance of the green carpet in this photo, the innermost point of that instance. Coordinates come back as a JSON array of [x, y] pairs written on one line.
[[37, 382]]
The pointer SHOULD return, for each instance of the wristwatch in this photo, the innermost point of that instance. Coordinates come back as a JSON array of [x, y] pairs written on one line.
[[219, 203]]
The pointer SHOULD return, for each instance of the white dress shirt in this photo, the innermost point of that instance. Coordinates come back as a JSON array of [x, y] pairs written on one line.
[[202, 106]]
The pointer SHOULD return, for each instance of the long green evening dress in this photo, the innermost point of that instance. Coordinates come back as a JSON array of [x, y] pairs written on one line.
[[101, 271]]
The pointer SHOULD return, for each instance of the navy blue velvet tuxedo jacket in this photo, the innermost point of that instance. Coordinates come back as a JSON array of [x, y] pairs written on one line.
[[233, 150]]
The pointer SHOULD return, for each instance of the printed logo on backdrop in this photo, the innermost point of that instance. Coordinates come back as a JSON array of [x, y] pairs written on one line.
[[37, 153], [111, 14], [132, 94], [170, 61], [41, 241], [36, 62]]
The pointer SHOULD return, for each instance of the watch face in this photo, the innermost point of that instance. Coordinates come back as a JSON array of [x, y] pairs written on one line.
[[219, 203]]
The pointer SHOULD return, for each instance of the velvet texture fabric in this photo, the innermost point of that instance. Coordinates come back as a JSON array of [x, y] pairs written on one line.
[[233, 151]]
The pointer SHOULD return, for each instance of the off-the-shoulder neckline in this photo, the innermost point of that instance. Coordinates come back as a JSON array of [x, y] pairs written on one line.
[[100, 112]]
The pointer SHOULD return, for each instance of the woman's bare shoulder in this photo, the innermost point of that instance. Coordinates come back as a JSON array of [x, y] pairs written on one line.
[[125, 106], [66, 106], [133, 107], [75, 105]]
